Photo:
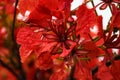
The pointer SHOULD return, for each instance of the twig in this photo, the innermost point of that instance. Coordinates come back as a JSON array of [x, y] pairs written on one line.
[[93, 6], [15, 48]]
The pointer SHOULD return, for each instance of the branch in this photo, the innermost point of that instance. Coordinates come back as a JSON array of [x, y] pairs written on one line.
[[13, 30], [15, 48], [14, 20]]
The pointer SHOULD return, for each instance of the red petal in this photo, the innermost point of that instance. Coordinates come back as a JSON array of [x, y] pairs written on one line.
[[51, 4], [86, 19], [60, 71], [103, 71], [67, 51], [116, 22], [40, 15], [115, 70], [60, 75], [103, 6], [28, 5], [93, 50], [26, 35], [81, 72], [25, 51], [44, 61], [45, 47]]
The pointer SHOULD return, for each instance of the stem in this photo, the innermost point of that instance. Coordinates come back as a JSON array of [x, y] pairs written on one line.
[[93, 6], [14, 21], [109, 25], [110, 9], [15, 48]]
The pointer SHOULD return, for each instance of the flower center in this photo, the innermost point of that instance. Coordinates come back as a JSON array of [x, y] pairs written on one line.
[[62, 38]]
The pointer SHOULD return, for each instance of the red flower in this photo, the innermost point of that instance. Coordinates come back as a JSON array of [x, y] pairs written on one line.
[[62, 37], [57, 37]]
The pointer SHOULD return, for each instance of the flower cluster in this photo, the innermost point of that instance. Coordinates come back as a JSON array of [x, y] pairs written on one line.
[[63, 38], [64, 44]]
